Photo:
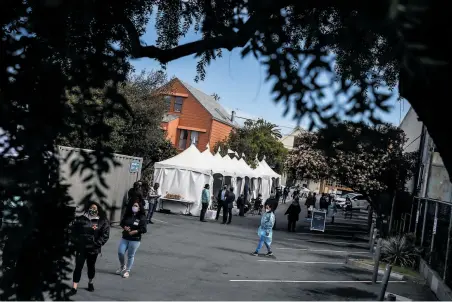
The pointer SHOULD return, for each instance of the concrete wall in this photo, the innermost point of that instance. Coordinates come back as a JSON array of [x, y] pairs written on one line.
[[436, 284]]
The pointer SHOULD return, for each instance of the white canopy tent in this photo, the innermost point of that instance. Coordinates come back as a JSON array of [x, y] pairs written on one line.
[[184, 174], [187, 173]]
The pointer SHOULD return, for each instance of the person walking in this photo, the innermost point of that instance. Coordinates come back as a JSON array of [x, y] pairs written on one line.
[[273, 203], [285, 194], [278, 194], [332, 209], [228, 205], [323, 204], [293, 213], [258, 204], [134, 225], [265, 231], [221, 201], [241, 205], [348, 208], [309, 201], [204, 202], [90, 232], [154, 195]]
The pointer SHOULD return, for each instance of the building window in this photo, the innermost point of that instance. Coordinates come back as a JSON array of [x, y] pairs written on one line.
[[194, 137], [167, 100], [183, 139], [178, 104], [330, 183]]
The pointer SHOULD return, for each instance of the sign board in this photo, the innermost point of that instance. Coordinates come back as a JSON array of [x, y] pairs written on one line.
[[318, 221], [134, 166], [435, 223], [417, 217]]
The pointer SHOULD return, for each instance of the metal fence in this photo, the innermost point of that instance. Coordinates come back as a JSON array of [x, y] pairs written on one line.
[[430, 221]]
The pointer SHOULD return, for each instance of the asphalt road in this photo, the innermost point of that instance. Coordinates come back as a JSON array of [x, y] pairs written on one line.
[[182, 258]]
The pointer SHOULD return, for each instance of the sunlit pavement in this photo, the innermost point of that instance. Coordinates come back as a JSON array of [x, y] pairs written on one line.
[[182, 258]]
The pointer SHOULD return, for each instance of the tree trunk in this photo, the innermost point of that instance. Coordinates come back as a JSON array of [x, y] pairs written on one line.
[[426, 73]]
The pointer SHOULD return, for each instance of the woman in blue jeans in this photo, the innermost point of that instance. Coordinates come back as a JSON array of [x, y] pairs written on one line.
[[265, 231], [133, 224]]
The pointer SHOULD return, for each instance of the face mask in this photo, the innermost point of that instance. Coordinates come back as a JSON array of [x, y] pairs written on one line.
[[92, 212], [268, 210], [135, 209]]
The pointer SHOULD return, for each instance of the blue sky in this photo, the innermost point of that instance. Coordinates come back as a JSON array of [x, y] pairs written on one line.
[[240, 83]]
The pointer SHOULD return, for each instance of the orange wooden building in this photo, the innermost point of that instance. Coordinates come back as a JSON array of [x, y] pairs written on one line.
[[194, 117]]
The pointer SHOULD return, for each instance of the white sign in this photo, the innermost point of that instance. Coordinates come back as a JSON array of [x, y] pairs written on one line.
[[434, 225], [417, 217]]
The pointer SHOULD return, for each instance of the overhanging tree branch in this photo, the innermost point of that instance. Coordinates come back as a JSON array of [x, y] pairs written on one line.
[[228, 41]]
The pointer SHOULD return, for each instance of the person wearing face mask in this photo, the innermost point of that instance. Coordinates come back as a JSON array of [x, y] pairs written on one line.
[[133, 224], [265, 231], [90, 232]]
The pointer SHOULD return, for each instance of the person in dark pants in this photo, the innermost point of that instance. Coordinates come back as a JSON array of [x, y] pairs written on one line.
[[293, 213], [278, 194], [323, 204], [285, 194], [228, 204], [154, 197], [246, 194], [90, 232], [221, 200], [204, 202], [241, 205], [348, 208]]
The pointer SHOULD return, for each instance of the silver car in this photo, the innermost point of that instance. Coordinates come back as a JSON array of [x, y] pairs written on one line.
[[358, 201]]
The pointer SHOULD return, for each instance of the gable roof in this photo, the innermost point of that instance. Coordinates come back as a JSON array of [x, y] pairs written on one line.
[[212, 106]]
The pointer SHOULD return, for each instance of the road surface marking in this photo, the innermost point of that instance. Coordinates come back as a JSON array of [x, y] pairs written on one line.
[[303, 249], [313, 281], [302, 262]]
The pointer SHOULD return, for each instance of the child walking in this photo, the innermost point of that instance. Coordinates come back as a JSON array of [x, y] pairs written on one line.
[[265, 231]]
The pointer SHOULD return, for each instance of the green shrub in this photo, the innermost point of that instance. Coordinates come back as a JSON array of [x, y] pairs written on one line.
[[400, 250]]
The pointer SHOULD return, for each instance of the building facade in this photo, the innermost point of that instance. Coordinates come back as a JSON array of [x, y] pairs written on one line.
[[194, 117], [431, 180]]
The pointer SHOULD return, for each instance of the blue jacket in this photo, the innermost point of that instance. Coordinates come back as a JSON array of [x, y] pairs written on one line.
[[266, 227]]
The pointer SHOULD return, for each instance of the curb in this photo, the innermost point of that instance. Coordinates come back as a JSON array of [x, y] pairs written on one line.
[[370, 268], [398, 298]]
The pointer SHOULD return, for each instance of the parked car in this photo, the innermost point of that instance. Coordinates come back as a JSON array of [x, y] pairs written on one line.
[[358, 201]]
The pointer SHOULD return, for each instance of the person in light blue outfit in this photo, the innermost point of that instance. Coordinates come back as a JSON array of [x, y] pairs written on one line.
[[265, 231], [205, 196]]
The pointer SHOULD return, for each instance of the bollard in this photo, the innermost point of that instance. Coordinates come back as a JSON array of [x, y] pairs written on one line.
[[384, 283], [377, 262], [374, 236]]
